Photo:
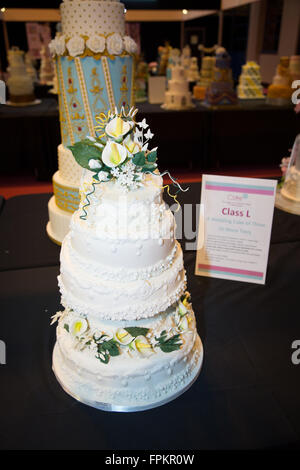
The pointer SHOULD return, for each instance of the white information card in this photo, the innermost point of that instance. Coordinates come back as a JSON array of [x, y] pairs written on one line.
[[235, 228]]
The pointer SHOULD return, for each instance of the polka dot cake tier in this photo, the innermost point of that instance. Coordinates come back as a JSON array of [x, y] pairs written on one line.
[[94, 61]]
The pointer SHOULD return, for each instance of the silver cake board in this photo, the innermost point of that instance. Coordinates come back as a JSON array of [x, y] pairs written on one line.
[[286, 205], [130, 409]]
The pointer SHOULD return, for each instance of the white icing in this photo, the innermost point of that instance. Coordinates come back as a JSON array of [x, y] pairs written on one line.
[[69, 170], [59, 222]]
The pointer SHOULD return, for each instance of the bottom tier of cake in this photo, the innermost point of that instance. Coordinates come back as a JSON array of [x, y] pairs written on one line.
[[59, 222], [178, 101], [136, 366]]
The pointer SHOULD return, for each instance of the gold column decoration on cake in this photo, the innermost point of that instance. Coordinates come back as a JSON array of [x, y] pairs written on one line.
[[84, 96], [62, 120], [124, 88], [108, 83], [64, 98], [97, 92], [133, 87], [76, 108]]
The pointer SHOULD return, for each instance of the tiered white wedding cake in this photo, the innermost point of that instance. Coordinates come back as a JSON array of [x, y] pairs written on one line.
[[94, 67], [178, 96], [127, 339]]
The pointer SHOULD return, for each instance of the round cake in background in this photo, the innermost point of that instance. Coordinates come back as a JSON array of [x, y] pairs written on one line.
[[250, 87], [280, 90], [20, 83]]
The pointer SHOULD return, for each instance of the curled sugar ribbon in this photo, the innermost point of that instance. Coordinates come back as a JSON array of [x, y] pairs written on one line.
[[175, 183], [173, 196], [84, 215]]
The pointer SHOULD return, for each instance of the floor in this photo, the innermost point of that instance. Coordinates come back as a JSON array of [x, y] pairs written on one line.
[[27, 184]]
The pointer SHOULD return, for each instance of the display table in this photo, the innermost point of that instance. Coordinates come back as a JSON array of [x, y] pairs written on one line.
[[247, 395], [198, 138]]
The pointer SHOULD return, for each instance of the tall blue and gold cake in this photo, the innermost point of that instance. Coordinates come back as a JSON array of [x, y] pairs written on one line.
[[94, 61]]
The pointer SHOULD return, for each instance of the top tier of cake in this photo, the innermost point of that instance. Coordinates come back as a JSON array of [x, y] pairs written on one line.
[[88, 17], [16, 59]]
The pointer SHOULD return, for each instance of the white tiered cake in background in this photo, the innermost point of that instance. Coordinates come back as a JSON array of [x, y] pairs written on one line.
[[250, 87], [95, 72], [20, 83], [127, 339], [288, 196], [47, 69], [178, 96]]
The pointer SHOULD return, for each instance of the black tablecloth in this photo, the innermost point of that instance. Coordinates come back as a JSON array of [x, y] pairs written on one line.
[[30, 136], [198, 138], [247, 395], [23, 239]]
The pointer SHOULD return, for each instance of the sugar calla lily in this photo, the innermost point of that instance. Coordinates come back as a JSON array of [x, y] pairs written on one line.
[[116, 128], [114, 154], [123, 337], [183, 324], [142, 346], [132, 147], [182, 310], [78, 326]]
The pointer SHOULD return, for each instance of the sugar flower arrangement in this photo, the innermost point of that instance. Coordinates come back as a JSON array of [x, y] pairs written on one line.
[[81, 46], [119, 151]]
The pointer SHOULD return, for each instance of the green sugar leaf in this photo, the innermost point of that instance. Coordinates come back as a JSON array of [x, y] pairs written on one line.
[[139, 159], [83, 152], [136, 331], [152, 156], [66, 327], [149, 167]]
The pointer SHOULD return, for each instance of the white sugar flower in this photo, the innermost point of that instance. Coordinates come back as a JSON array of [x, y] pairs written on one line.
[[143, 124], [132, 146], [123, 337], [60, 44], [76, 46], [102, 176], [130, 45], [78, 326], [142, 346], [94, 164], [117, 127], [114, 154], [138, 134], [52, 47], [96, 43], [114, 44], [148, 134]]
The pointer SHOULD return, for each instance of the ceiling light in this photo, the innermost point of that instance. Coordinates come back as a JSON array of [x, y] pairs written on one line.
[[184, 11], [3, 10]]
